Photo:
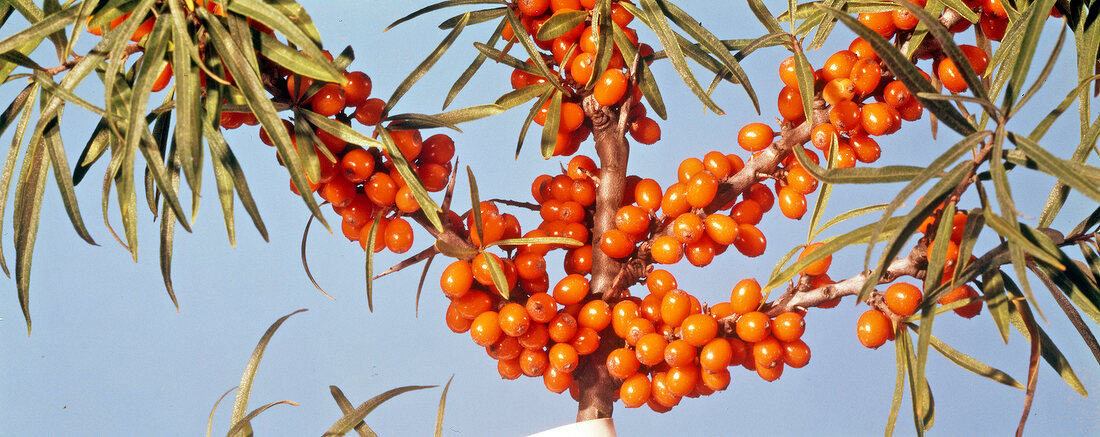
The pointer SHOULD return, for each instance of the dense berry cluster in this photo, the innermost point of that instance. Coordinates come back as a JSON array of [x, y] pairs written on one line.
[[572, 59]]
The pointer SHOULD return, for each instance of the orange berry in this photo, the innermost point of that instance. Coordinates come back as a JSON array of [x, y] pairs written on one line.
[[792, 203], [635, 391], [788, 326], [675, 307], [747, 212], [903, 298], [746, 296], [610, 88], [632, 220], [679, 353], [650, 349], [818, 267], [622, 363], [790, 104], [750, 241], [533, 362], [514, 320], [879, 118], [571, 289], [485, 329], [715, 356], [541, 307], [698, 329], [880, 22], [688, 228], [873, 329], [647, 194], [536, 337], [866, 75], [455, 321], [755, 137], [328, 101], [796, 353], [509, 369], [963, 292], [595, 314], [562, 328], [701, 189], [645, 130], [674, 201], [563, 357], [722, 229], [753, 326], [616, 244], [767, 352]]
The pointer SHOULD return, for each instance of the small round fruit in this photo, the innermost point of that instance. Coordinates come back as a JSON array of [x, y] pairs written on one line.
[[873, 329]]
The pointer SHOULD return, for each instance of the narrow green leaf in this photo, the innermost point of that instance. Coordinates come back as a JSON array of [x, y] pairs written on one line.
[[497, 273], [558, 24], [977, 367], [924, 207], [261, 106], [1048, 349], [713, 46], [536, 240], [428, 206], [168, 227], [478, 16], [667, 37], [899, 388], [765, 16], [993, 287], [244, 427], [339, 130], [1014, 236], [530, 117], [346, 407], [442, 407], [298, 63], [346, 423], [468, 74], [210, 419], [550, 126], [226, 166], [947, 44], [532, 51], [441, 5], [240, 405], [26, 107], [370, 260], [804, 73], [28, 207], [861, 175], [830, 246], [515, 98], [644, 75], [509, 60], [1054, 166], [296, 26], [1026, 52], [41, 28], [449, 119], [845, 216], [937, 257], [425, 65], [475, 202]]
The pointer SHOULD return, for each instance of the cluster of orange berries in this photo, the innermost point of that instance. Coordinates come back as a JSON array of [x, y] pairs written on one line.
[[359, 183], [572, 59], [874, 327], [683, 229], [992, 21], [674, 348]]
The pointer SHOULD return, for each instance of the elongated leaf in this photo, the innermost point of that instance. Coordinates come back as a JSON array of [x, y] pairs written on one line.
[[441, 5], [339, 130], [532, 52], [713, 46], [240, 405], [550, 126], [442, 407], [1050, 352], [644, 75], [804, 73], [765, 16], [530, 117], [41, 28], [25, 107], [660, 26], [1056, 167], [515, 98], [947, 44], [560, 24], [1026, 52], [933, 169], [346, 408], [346, 423], [899, 387], [1048, 68], [261, 106], [478, 16], [428, 207], [298, 33], [449, 119], [830, 246], [537, 240], [369, 248], [508, 60], [28, 207], [468, 74], [861, 175], [244, 427], [168, 227], [298, 63], [845, 216], [969, 363], [425, 65]]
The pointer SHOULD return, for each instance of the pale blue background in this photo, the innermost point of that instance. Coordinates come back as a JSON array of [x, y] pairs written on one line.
[[110, 356]]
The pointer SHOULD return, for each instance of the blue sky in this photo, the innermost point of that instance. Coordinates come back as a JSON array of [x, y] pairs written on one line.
[[110, 356]]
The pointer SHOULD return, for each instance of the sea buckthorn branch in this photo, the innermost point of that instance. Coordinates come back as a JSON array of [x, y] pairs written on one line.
[[597, 387]]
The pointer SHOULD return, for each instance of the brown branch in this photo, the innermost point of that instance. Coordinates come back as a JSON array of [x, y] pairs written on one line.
[[67, 65]]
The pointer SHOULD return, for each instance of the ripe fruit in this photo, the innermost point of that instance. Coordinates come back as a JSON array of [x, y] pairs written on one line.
[[563, 357], [485, 329], [792, 203], [622, 363], [698, 329], [788, 326], [903, 298], [964, 292], [750, 241], [755, 137], [571, 289], [753, 327], [746, 296], [610, 88], [635, 391], [616, 244], [817, 267], [873, 329]]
